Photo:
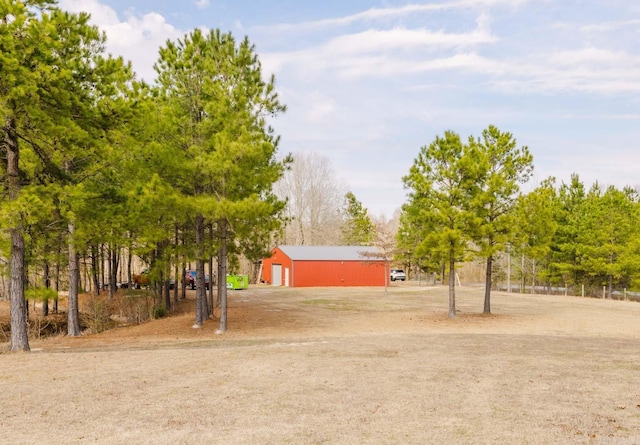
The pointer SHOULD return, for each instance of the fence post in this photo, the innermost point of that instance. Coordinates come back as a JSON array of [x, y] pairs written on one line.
[[604, 290], [509, 268], [583, 291], [625, 294]]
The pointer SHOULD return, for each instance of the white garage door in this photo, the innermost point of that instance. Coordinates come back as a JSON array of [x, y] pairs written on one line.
[[276, 274]]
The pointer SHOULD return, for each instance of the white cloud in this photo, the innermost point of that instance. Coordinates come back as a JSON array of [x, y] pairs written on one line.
[[202, 4], [402, 39], [385, 53], [137, 38], [100, 14], [396, 54], [318, 106], [590, 70], [591, 56], [480, 55], [376, 14], [609, 26]]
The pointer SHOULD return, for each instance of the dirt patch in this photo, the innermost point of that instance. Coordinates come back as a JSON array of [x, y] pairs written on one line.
[[309, 366]]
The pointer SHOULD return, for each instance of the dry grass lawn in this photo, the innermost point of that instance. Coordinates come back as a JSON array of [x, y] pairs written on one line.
[[339, 366]]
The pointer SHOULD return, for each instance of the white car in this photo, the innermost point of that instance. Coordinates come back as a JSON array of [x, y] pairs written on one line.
[[397, 274]]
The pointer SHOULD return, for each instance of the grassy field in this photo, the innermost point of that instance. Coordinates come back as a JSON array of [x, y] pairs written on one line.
[[340, 366]]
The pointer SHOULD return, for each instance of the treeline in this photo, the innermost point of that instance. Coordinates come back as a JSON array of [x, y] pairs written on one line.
[[596, 241], [465, 202], [94, 159]]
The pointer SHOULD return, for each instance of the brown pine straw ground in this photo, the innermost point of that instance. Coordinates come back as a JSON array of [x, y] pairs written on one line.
[[339, 366]]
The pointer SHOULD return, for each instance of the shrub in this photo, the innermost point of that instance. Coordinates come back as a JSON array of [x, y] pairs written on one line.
[[159, 312], [97, 315], [48, 326], [134, 306], [40, 294]]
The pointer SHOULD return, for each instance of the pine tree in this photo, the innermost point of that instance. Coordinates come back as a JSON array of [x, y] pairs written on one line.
[[608, 222], [358, 230], [214, 103], [441, 182], [58, 97], [564, 266], [503, 168], [535, 224]]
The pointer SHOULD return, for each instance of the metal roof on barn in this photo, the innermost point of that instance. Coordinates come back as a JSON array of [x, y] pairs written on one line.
[[331, 253]]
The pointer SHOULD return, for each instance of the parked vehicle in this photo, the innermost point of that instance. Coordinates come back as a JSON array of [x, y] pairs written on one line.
[[397, 274], [141, 279], [190, 279]]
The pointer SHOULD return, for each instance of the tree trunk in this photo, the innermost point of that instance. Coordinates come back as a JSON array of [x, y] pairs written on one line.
[[176, 268], [487, 286], [129, 261], [176, 281], [509, 268], [387, 272], [210, 267], [211, 304], [183, 281], [73, 317], [201, 300], [167, 282], [220, 269], [120, 268], [222, 275], [523, 287], [19, 330], [533, 276], [152, 283], [102, 280], [47, 285], [55, 302], [113, 269], [94, 270], [167, 292], [87, 276], [109, 272], [452, 285], [301, 231]]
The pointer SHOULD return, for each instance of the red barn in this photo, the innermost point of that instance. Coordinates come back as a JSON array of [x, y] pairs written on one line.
[[309, 266]]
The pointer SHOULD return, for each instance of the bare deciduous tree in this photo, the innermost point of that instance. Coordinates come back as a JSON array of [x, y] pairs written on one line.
[[315, 196]]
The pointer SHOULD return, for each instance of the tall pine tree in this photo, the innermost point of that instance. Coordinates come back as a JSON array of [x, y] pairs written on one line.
[[441, 183], [59, 95], [215, 103], [503, 168]]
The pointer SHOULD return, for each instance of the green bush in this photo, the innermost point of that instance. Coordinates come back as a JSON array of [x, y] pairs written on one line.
[[159, 312], [40, 294]]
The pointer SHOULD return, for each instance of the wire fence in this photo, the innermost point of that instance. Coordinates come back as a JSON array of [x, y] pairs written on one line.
[[586, 291], [519, 275]]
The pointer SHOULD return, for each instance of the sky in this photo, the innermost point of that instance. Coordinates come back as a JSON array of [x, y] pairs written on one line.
[[367, 83]]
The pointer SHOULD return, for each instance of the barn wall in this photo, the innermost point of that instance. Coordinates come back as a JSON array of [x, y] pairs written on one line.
[[277, 257], [338, 273]]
